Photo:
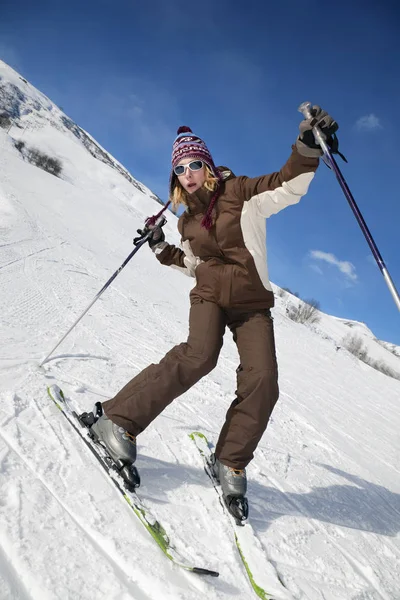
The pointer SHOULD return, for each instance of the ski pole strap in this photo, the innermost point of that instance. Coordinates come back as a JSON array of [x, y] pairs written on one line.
[[157, 220], [152, 220], [333, 143]]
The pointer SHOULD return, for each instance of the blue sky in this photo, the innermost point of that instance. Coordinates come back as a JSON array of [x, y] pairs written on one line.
[[131, 72]]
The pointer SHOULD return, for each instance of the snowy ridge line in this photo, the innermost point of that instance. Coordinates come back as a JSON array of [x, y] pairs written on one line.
[[245, 540], [29, 107], [132, 498]]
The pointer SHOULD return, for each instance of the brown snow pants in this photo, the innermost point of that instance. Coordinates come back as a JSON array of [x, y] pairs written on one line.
[[150, 392]]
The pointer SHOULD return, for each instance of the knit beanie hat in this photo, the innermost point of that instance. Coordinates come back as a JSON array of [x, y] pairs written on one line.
[[188, 145]]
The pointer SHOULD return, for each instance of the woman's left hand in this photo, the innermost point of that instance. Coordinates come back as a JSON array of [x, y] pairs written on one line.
[[305, 143]]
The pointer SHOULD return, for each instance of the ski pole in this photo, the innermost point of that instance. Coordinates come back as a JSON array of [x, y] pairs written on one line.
[[158, 220], [305, 109]]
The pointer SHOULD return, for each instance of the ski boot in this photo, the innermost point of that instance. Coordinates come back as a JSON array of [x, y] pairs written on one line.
[[234, 486], [119, 444]]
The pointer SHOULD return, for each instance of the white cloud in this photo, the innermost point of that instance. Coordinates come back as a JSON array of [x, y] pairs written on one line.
[[368, 123], [344, 266]]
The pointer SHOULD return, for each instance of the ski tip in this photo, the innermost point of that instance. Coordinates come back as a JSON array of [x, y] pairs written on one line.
[[201, 571], [198, 434], [56, 394], [55, 388]]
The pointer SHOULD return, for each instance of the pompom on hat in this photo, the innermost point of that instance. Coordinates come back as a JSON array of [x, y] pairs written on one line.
[[188, 145]]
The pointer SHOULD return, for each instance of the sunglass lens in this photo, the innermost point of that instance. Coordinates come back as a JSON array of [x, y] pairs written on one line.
[[179, 170], [196, 165]]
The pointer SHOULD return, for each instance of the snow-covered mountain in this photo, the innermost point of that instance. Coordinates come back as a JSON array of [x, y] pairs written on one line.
[[31, 111], [324, 487]]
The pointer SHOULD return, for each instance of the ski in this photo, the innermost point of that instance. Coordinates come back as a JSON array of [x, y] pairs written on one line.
[[65, 405], [244, 536]]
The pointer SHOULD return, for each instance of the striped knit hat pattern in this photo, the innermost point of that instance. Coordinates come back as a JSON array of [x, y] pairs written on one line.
[[188, 145]]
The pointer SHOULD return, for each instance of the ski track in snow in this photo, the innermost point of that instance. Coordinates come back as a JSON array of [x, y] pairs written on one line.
[[324, 486], [91, 539], [11, 579], [96, 545]]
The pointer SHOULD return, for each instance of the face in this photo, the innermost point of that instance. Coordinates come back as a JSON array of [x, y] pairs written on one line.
[[191, 181]]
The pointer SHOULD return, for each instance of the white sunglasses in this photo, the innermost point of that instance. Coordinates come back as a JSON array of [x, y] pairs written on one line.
[[195, 165]]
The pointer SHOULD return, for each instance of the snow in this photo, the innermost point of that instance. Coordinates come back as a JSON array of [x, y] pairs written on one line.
[[324, 486]]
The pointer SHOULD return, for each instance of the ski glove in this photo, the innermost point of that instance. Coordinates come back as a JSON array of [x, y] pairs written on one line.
[[306, 144], [157, 237]]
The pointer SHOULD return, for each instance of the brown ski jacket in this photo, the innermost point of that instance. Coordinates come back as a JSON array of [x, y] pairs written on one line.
[[229, 261]]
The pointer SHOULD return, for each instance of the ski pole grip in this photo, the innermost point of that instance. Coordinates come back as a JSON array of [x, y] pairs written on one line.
[[305, 109]]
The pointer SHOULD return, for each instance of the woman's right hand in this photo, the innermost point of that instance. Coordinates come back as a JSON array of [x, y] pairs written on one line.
[[157, 236]]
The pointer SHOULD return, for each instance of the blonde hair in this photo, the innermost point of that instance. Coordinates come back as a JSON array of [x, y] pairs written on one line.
[[179, 195]]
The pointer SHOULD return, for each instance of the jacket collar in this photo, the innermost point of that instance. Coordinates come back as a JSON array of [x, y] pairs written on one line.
[[198, 201]]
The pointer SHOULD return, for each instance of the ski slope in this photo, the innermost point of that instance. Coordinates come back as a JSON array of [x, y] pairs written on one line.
[[324, 486]]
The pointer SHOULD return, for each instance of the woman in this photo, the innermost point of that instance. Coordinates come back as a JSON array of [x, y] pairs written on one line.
[[223, 231]]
